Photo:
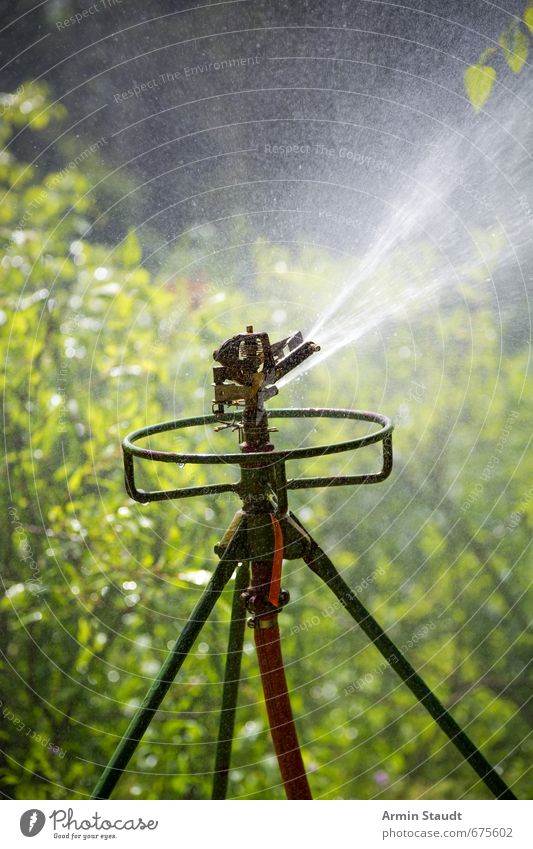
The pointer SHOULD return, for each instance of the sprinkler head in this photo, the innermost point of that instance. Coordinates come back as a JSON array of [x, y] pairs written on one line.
[[250, 366]]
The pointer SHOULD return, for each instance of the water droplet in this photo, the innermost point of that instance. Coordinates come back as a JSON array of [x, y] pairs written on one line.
[[181, 465]]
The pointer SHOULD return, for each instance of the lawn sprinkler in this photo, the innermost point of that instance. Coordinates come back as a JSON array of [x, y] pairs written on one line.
[[262, 534], [249, 368]]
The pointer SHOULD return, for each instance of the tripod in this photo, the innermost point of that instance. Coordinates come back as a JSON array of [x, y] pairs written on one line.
[[261, 534]]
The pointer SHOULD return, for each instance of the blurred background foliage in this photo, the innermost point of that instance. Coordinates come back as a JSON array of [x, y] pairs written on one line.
[[513, 47], [97, 587]]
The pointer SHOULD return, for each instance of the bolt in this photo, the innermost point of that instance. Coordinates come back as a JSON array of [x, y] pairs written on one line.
[[284, 597]]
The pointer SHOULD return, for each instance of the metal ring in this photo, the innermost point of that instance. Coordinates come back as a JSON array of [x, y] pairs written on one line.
[[271, 456]]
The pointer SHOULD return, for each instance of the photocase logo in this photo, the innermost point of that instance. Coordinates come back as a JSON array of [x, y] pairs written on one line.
[[32, 822]]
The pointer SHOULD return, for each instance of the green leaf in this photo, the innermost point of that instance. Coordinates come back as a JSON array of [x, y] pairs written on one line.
[[478, 80], [528, 18], [131, 250], [515, 46], [84, 631]]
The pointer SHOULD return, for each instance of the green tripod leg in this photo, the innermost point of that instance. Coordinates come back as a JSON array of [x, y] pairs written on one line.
[[321, 565], [231, 685], [169, 670]]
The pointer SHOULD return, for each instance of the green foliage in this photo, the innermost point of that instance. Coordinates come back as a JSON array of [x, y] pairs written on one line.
[[479, 78], [27, 106], [515, 46], [528, 18], [97, 587]]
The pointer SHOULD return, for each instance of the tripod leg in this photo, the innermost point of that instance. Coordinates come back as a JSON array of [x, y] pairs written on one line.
[[274, 682], [321, 565], [168, 672], [231, 685], [278, 705]]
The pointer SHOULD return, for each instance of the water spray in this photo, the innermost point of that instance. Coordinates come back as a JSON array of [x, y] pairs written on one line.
[[262, 534]]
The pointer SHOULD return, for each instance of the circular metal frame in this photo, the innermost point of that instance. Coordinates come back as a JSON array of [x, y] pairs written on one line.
[[241, 459], [131, 450]]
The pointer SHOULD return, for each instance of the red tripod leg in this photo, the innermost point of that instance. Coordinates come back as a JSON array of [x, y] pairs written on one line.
[[282, 727], [284, 737]]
